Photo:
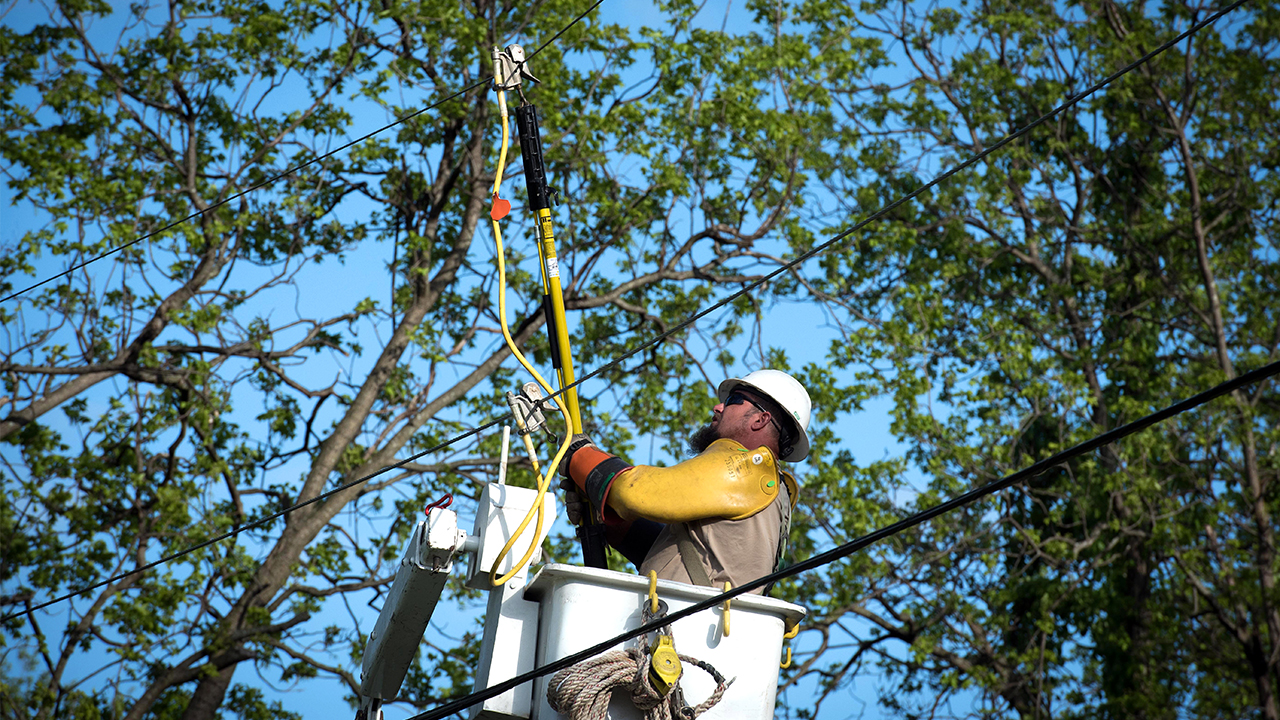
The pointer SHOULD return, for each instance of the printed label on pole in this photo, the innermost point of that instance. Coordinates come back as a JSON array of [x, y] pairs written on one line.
[[553, 267]]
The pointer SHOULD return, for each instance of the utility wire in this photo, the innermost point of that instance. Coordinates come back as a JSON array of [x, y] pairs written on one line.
[[1073, 100], [853, 546], [306, 164], [1017, 134], [262, 521], [555, 37], [256, 523], [246, 191]]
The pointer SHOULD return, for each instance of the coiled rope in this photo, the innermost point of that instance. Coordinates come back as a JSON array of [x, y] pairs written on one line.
[[583, 691]]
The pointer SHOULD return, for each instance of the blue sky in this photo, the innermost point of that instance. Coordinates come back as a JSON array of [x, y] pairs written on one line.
[[366, 274]]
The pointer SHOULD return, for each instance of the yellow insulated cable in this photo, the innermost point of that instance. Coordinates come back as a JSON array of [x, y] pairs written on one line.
[[543, 478]]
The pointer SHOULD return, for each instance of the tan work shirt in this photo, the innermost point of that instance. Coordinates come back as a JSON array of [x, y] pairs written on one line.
[[738, 551]]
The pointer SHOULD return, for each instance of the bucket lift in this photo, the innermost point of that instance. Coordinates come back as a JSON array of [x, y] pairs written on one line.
[[562, 610], [433, 549]]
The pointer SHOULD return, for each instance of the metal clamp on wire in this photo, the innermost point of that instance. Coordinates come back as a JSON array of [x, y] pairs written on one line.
[[510, 68], [527, 408]]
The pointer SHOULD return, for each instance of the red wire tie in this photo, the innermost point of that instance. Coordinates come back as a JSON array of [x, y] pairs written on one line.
[[443, 502]]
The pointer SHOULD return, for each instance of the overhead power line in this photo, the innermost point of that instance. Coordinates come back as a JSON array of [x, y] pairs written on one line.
[[292, 170], [563, 30], [853, 546], [1070, 102], [323, 496], [255, 524], [1016, 135], [246, 191]]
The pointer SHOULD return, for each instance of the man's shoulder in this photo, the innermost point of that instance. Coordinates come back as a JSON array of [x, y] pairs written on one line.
[[760, 461]]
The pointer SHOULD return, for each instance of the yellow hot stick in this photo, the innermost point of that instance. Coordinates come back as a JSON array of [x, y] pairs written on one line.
[[551, 282]]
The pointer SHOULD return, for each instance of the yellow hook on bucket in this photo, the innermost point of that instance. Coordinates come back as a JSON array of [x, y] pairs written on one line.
[[727, 588], [795, 630]]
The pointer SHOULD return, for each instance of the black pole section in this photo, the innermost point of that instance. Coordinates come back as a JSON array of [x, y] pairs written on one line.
[[535, 170], [591, 535], [535, 180], [552, 337]]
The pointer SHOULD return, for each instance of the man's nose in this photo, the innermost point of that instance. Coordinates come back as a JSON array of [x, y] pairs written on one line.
[[718, 409]]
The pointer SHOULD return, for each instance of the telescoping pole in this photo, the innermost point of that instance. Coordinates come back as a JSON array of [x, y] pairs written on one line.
[[590, 533], [535, 177]]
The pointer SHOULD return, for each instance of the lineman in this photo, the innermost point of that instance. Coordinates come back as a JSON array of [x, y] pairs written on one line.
[[723, 515]]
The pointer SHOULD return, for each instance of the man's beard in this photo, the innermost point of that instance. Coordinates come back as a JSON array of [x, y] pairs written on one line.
[[702, 438]]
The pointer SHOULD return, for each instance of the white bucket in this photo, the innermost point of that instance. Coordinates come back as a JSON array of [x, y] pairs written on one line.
[[580, 607]]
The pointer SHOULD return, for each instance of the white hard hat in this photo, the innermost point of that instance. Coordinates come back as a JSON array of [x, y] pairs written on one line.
[[789, 394]]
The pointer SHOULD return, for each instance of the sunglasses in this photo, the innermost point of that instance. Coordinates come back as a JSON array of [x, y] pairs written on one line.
[[737, 398]]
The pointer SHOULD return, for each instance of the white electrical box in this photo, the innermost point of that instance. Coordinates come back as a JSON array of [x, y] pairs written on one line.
[[511, 621], [510, 639], [498, 514]]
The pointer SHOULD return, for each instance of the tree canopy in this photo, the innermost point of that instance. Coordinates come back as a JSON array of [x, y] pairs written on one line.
[[314, 331]]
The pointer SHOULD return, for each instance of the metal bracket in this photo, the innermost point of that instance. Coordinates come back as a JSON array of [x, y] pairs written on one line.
[[527, 408], [664, 668], [510, 68]]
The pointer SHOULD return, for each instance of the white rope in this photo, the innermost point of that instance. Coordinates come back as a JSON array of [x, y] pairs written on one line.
[[582, 692]]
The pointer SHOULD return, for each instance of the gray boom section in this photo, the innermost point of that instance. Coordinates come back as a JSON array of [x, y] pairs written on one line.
[[419, 582]]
